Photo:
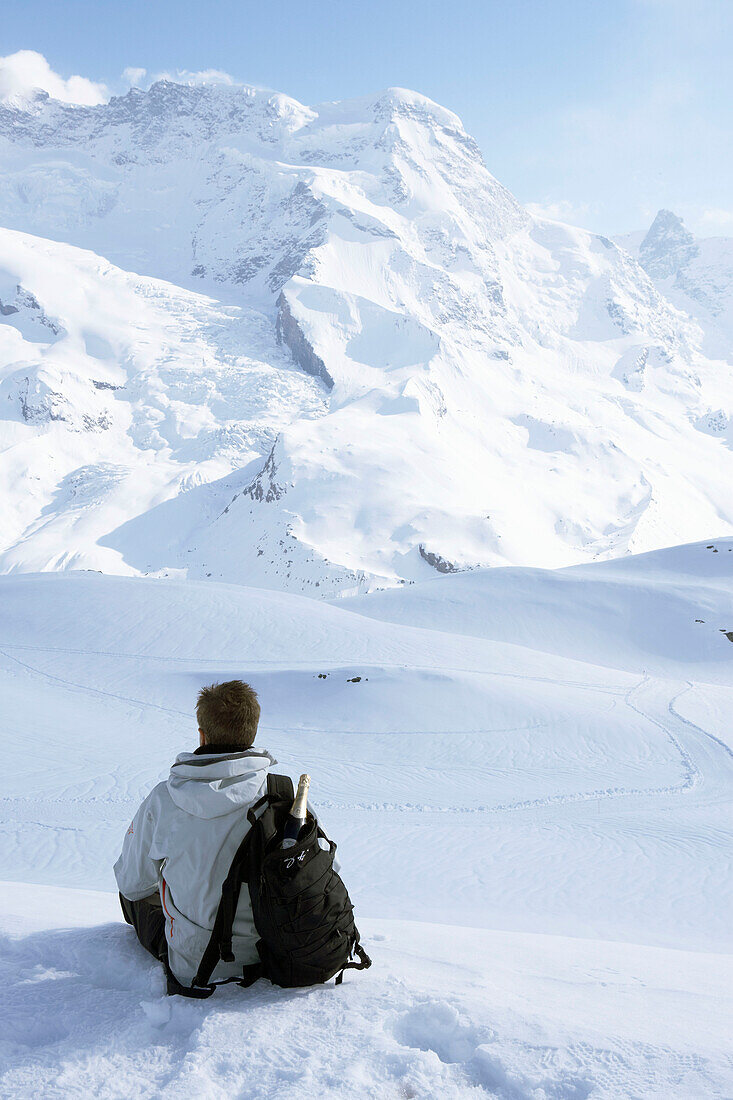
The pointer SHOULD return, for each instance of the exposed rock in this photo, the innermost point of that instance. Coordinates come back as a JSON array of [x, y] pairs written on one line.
[[667, 247], [617, 314], [28, 303], [40, 404], [714, 422], [264, 487], [290, 333], [96, 423], [437, 562], [105, 385]]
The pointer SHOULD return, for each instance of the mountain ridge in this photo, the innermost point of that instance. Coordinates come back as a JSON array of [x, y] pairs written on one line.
[[429, 377]]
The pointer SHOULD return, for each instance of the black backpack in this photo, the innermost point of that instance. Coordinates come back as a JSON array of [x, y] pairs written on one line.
[[301, 908]]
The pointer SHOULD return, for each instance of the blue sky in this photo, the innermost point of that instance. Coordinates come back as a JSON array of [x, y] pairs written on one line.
[[598, 111]]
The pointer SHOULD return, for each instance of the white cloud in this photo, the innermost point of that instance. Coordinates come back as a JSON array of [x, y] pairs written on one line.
[[206, 76], [714, 221], [134, 77], [24, 72], [561, 210]]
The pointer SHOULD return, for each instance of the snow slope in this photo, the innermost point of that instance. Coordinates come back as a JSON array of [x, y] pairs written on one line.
[[662, 612], [352, 359], [534, 825], [121, 393]]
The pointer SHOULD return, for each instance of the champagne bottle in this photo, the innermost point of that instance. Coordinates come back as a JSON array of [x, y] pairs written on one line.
[[298, 813]]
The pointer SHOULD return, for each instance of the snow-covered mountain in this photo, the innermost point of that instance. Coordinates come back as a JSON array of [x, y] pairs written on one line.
[[694, 273], [347, 357]]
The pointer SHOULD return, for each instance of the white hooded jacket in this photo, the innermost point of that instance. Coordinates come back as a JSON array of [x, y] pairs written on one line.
[[182, 842]]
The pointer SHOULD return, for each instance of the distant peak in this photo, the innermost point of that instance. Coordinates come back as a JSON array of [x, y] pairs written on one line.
[[667, 222], [667, 247]]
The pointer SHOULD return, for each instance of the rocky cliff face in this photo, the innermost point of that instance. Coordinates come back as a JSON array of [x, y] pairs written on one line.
[[288, 332]]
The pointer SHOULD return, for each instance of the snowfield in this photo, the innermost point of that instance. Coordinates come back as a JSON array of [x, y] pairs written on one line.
[[529, 784]]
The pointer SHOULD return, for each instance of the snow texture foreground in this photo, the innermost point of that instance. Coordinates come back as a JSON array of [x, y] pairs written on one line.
[[529, 776], [443, 1015]]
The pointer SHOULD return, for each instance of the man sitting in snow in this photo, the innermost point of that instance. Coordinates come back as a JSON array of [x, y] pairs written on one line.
[[182, 840]]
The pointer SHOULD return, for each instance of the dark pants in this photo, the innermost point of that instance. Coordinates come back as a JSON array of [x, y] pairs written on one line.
[[148, 919]]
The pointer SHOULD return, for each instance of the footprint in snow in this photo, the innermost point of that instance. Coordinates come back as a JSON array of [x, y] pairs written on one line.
[[438, 1027]]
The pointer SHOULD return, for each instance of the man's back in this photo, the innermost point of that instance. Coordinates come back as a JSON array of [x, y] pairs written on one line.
[[182, 842]]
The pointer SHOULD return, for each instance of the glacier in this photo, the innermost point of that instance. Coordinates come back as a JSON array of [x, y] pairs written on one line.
[[322, 349]]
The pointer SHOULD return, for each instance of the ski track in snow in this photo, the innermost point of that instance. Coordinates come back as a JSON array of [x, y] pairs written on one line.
[[692, 725], [465, 894], [693, 775]]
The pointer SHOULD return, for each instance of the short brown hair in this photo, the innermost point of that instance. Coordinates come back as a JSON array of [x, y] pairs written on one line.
[[228, 713]]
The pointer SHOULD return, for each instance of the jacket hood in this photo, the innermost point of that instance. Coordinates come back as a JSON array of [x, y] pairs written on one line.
[[213, 785]]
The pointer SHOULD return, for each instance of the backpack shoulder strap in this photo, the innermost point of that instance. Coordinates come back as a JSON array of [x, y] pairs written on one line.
[[220, 943], [280, 786]]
